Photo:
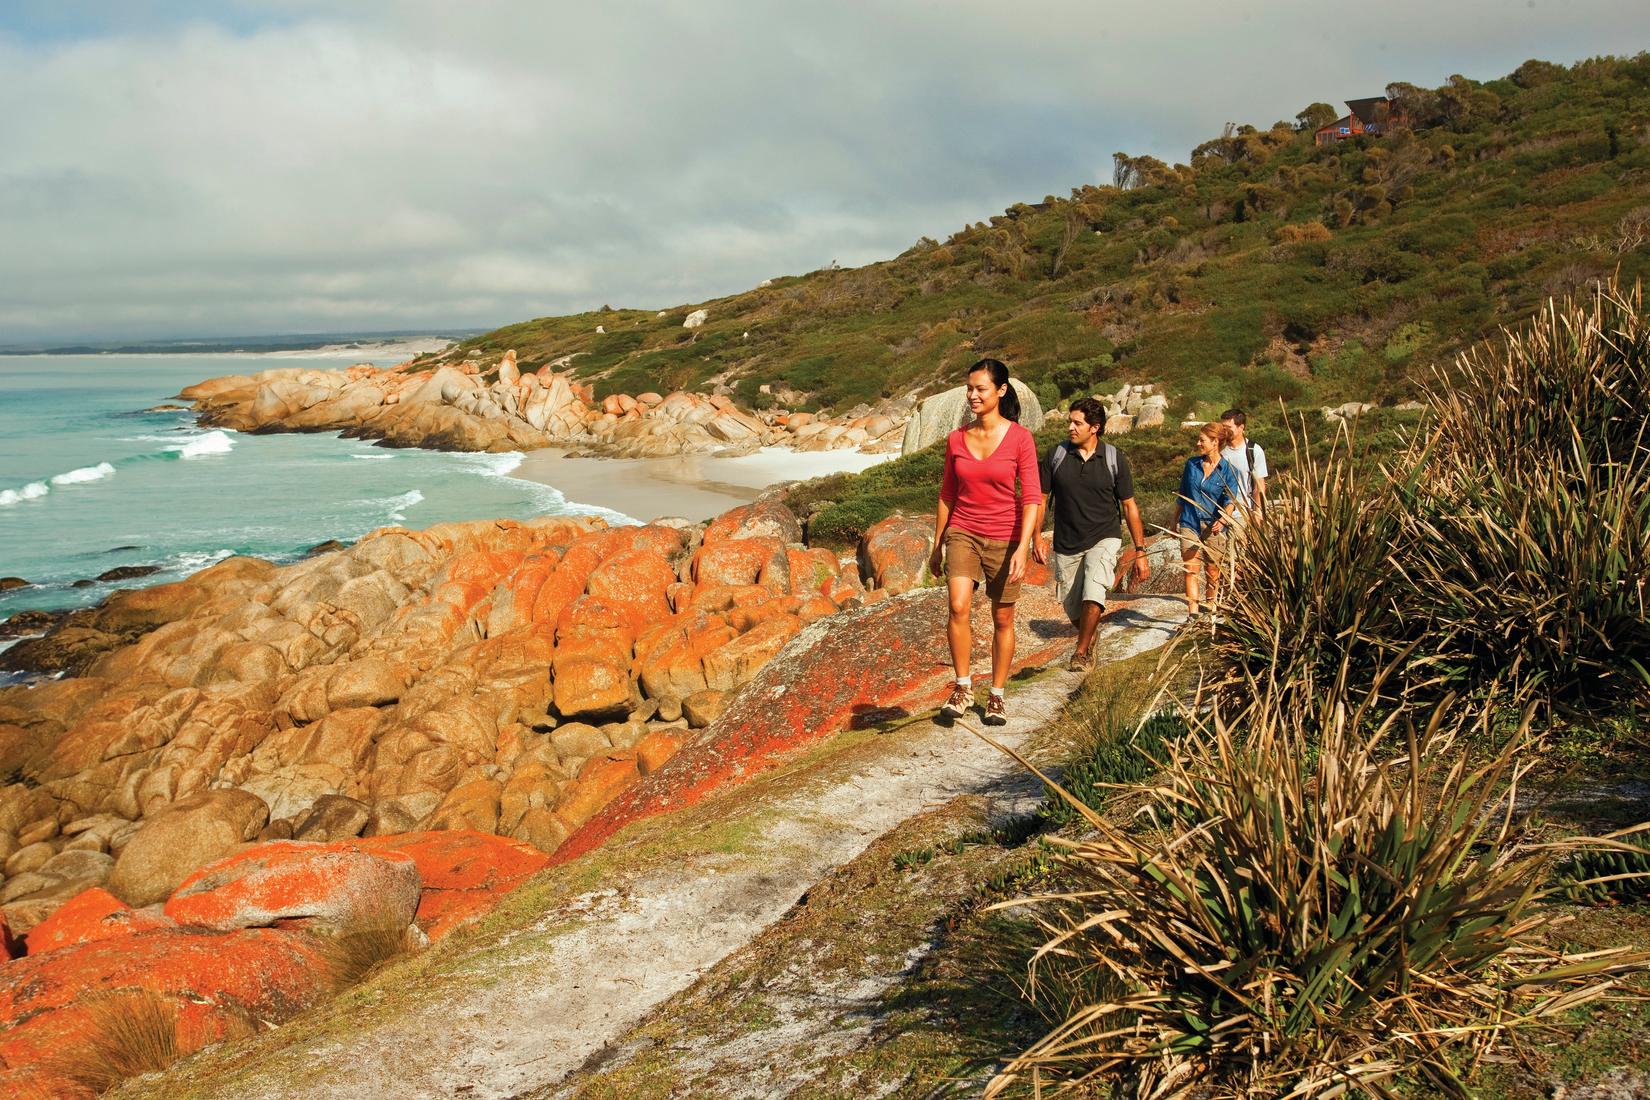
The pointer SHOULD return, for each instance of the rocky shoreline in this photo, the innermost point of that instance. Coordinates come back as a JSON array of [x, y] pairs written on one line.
[[470, 407], [235, 773]]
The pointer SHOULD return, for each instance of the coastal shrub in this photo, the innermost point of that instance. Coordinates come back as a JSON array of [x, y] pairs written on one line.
[[1533, 546], [1319, 894], [1320, 581]]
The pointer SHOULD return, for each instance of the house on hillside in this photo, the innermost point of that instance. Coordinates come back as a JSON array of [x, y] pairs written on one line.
[[1374, 117]]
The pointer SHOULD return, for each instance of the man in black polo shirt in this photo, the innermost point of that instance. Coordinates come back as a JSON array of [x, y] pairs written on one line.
[[1093, 491]]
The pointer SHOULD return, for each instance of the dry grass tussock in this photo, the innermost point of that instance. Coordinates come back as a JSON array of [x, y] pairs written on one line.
[[349, 956], [1319, 894], [131, 1032]]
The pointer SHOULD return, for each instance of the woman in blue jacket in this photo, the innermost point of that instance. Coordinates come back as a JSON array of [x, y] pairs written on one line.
[[1209, 490]]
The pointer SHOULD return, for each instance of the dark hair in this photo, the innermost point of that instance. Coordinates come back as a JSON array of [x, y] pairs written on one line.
[[1094, 413], [1009, 406], [1235, 416]]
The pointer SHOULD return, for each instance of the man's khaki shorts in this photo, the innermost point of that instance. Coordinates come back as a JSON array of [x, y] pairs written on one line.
[[984, 561], [1212, 547], [1082, 578]]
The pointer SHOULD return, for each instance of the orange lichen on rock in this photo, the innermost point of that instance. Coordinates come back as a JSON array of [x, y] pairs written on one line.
[[893, 553], [465, 874], [285, 879], [93, 914], [259, 974], [657, 747]]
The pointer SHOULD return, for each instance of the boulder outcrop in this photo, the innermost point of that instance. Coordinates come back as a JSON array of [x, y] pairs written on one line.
[[490, 677], [466, 407]]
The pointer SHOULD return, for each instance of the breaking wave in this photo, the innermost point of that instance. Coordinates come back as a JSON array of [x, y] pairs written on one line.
[[85, 473], [398, 505], [215, 442], [34, 490]]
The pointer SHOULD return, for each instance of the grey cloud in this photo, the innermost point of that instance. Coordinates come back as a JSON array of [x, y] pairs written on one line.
[[293, 165]]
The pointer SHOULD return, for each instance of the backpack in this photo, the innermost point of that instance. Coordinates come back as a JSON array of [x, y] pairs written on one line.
[[1249, 459], [1058, 455]]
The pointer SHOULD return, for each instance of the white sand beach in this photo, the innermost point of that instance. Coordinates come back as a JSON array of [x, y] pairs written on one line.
[[694, 487]]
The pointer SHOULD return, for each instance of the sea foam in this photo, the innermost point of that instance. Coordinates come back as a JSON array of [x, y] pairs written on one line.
[[84, 473], [32, 491], [215, 442], [399, 505]]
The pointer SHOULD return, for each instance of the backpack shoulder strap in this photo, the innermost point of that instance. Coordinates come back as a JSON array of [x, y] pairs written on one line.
[[1111, 463], [1056, 456]]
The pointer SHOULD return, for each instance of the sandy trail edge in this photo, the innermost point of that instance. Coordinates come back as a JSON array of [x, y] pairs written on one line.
[[536, 1004]]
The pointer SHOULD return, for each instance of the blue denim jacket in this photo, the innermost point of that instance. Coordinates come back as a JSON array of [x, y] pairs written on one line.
[[1201, 498]]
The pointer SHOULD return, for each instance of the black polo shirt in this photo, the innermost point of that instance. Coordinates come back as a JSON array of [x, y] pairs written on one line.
[[1087, 506]]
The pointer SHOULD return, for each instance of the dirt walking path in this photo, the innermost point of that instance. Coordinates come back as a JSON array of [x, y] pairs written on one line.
[[516, 1009]]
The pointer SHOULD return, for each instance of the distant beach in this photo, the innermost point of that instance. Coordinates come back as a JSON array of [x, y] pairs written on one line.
[[694, 487]]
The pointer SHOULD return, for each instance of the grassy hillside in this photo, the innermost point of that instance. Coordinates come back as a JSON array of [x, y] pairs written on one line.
[[1266, 268]]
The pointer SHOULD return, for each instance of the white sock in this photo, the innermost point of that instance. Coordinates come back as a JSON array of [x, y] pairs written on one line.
[[998, 692], [965, 682]]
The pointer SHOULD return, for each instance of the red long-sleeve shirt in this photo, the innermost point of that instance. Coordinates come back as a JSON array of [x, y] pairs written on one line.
[[981, 492]]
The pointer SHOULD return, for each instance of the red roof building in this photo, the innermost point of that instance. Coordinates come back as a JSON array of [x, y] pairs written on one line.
[[1375, 117]]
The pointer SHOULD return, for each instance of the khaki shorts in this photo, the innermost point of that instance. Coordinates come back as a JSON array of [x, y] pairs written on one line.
[[1212, 546], [984, 561], [1082, 578]]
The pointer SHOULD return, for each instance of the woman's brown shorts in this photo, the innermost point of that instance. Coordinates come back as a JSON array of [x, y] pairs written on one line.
[[984, 561]]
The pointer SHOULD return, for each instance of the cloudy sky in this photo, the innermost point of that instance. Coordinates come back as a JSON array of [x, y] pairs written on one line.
[[269, 166]]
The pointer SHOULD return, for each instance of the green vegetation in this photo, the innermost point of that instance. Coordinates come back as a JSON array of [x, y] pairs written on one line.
[[1504, 551], [1265, 268], [1329, 884]]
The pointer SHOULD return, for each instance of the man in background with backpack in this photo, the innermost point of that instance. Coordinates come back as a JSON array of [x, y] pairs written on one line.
[[1092, 491], [1246, 457]]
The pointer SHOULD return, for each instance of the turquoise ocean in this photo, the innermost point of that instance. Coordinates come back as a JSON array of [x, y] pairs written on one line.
[[91, 480]]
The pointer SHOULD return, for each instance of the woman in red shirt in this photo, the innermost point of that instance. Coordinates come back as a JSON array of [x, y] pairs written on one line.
[[984, 528]]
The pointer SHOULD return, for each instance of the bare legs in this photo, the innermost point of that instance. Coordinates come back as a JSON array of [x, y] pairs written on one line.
[[1002, 643], [960, 633], [1198, 567], [1087, 623]]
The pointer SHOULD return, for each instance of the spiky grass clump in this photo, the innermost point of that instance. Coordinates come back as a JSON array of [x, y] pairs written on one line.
[[131, 1032], [1538, 567], [1319, 894], [1321, 582], [1511, 541], [1533, 546], [1579, 370], [349, 955]]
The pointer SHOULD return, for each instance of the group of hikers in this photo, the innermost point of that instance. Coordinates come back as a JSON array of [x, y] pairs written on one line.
[[994, 496]]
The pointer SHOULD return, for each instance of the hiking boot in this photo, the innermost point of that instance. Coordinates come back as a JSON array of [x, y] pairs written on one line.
[[961, 699], [1080, 662], [996, 710]]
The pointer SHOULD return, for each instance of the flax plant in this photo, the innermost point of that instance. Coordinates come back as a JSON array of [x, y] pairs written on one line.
[[1539, 564], [1323, 581], [1532, 545], [1579, 369], [1320, 893]]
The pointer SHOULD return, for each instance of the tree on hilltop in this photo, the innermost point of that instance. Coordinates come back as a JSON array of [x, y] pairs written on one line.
[[1316, 117]]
